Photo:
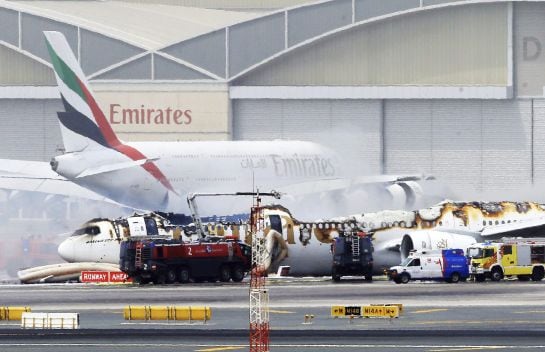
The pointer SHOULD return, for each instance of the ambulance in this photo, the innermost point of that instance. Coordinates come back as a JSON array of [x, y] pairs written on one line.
[[449, 265]]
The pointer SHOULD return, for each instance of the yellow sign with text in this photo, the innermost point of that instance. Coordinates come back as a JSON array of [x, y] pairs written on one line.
[[381, 311]]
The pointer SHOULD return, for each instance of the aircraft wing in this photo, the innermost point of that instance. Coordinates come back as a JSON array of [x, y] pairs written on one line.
[[528, 228], [333, 184], [37, 176]]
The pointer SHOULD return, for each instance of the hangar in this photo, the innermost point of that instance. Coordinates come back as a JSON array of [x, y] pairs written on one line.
[[443, 87]]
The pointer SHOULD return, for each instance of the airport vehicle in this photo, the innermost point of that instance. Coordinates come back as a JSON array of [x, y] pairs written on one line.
[[164, 260], [524, 258], [26, 251], [446, 264], [352, 255]]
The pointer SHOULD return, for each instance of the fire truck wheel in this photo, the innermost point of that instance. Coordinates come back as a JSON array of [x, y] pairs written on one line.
[[161, 279], [454, 278], [184, 275], [237, 274], [496, 274], [404, 278], [171, 276], [537, 274], [225, 273]]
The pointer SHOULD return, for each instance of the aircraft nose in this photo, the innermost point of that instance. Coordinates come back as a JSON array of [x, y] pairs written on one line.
[[66, 250]]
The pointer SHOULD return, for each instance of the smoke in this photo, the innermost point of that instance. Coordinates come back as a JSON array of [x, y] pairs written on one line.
[[32, 225]]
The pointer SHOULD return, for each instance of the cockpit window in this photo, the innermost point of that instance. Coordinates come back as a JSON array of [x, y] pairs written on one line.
[[89, 230]]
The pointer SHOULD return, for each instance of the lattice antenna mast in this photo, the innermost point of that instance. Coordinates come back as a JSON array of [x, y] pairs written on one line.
[[259, 295]]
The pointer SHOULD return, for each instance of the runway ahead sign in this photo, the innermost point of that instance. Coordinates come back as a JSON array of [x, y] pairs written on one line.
[[104, 277]]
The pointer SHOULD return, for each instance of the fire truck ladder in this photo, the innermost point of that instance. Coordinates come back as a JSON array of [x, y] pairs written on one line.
[[138, 255], [355, 246]]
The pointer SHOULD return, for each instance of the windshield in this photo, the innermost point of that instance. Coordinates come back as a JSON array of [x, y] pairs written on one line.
[[89, 230], [475, 253], [406, 261]]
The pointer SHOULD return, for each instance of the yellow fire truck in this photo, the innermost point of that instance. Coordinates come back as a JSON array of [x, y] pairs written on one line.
[[524, 258]]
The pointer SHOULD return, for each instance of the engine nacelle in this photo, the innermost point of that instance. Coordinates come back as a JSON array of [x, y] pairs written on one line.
[[429, 239], [405, 194]]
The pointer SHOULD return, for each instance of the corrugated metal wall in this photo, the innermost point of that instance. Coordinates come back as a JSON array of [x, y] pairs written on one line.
[[30, 129], [352, 127], [464, 45], [539, 141], [482, 145]]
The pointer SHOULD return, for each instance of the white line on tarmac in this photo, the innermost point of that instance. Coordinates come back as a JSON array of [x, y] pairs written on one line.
[[391, 346]]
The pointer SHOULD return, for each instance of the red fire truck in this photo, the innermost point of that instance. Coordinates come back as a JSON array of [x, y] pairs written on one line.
[[163, 260]]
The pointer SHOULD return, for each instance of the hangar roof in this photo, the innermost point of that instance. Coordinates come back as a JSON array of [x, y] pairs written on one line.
[[150, 26], [134, 40]]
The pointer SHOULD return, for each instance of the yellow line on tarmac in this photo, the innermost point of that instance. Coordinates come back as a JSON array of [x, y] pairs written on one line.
[[225, 348], [430, 310], [468, 348], [280, 311]]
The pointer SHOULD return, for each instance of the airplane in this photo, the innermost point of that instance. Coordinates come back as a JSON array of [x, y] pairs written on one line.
[[159, 175], [304, 246]]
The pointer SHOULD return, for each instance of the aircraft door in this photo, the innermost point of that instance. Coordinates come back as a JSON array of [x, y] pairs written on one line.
[[415, 268], [276, 223]]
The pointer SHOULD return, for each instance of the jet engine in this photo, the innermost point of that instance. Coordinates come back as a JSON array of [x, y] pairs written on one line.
[[429, 239], [405, 194]]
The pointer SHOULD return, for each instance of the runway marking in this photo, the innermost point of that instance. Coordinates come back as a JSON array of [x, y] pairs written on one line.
[[226, 348], [470, 348], [429, 310], [434, 322], [529, 311], [280, 311]]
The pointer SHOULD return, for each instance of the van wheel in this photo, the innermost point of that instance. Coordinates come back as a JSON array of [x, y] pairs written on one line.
[[237, 274], [171, 276], [455, 277], [397, 280], [480, 278], [537, 274], [496, 274], [184, 275], [404, 278], [225, 273]]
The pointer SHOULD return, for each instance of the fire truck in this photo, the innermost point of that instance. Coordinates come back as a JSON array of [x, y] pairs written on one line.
[[352, 255], [524, 258], [170, 260]]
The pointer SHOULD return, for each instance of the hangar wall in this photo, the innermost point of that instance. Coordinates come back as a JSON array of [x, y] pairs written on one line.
[[30, 129], [351, 127], [484, 145], [529, 33]]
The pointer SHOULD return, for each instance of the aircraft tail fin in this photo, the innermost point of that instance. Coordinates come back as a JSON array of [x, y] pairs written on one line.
[[83, 123]]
